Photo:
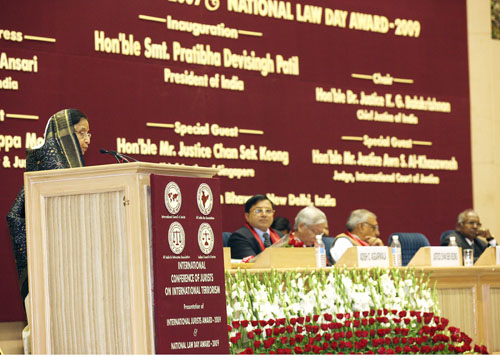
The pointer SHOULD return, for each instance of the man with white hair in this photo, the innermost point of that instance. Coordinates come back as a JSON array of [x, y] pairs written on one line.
[[362, 230], [309, 223]]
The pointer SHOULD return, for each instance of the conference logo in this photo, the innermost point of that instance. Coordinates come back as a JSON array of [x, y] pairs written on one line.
[[205, 199], [173, 197], [206, 238], [176, 238]]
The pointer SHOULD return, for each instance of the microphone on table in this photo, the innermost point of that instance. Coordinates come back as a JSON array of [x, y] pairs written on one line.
[[121, 158]]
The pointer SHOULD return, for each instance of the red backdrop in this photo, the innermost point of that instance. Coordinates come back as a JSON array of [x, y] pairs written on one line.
[[421, 47]]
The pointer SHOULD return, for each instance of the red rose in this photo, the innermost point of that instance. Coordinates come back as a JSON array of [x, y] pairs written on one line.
[[300, 320], [258, 331], [248, 351], [293, 320], [269, 332], [251, 335], [364, 322], [244, 323], [390, 351], [315, 328], [300, 329], [256, 344], [356, 323], [307, 348], [234, 340], [268, 343], [236, 324], [407, 321], [356, 314], [406, 349], [339, 316], [262, 323], [283, 340], [255, 323], [292, 341], [299, 338], [334, 345], [316, 349], [308, 328], [289, 329], [328, 317], [270, 322], [399, 350], [395, 340], [298, 350], [315, 318], [308, 318], [347, 323], [381, 350], [348, 334], [229, 328], [365, 313], [324, 327], [276, 331]]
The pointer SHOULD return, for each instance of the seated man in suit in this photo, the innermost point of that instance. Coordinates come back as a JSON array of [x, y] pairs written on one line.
[[469, 234], [362, 230], [256, 235]]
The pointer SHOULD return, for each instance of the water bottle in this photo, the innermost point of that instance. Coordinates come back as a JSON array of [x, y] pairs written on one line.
[[453, 242], [320, 252], [396, 252]]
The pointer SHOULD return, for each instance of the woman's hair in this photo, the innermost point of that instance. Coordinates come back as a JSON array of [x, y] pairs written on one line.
[[75, 116]]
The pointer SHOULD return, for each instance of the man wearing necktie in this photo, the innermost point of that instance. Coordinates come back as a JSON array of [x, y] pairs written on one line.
[[256, 235]]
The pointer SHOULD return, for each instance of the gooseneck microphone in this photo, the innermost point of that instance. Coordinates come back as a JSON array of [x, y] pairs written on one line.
[[121, 158]]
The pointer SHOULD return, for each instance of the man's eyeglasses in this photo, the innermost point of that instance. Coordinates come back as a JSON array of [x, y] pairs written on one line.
[[263, 210], [473, 223], [373, 226], [83, 134]]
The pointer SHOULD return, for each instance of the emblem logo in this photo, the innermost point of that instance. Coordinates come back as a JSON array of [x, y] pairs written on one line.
[[176, 238], [173, 197], [206, 238], [205, 199]]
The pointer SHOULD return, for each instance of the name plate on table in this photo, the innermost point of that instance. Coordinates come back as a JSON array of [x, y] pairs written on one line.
[[498, 255], [365, 257], [446, 257], [437, 257]]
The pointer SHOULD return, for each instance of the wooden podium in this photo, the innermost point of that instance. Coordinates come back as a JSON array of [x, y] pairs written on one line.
[[89, 257]]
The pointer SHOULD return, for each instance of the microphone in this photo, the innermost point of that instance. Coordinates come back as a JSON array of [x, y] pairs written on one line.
[[121, 158]]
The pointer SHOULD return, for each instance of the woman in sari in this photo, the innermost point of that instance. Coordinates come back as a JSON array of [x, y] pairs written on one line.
[[66, 140]]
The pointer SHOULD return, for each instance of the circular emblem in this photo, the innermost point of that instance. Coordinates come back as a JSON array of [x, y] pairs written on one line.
[[176, 238], [206, 238], [205, 199], [173, 197]]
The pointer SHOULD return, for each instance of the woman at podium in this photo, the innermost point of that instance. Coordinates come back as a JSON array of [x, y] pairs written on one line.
[[66, 140]]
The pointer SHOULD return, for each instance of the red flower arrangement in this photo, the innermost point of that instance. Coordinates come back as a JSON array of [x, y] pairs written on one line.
[[366, 332]]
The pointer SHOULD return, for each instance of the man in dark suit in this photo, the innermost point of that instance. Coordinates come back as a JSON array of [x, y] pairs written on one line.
[[256, 235], [469, 234]]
